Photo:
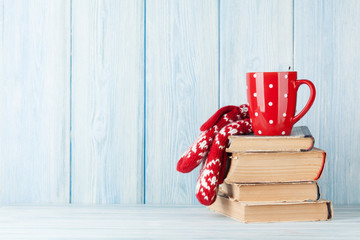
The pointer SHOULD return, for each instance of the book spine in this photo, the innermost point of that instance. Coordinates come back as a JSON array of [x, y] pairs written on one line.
[[318, 191], [322, 167], [312, 144], [330, 210]]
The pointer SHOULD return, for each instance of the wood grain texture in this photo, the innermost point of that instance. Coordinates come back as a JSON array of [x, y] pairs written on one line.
[[107, 101], [103, 43], [181, 91], [34, 101], [254, 36], [327, 51], [154, 222]]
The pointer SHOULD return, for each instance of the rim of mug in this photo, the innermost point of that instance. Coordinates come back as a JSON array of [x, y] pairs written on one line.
[[273, 72]]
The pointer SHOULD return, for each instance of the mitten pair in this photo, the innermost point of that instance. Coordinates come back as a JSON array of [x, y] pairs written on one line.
[[209, 149]]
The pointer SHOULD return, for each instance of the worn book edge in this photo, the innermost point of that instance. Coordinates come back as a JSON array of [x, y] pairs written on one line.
[[229, 160], [238, 186], [300, 132], [225, 206]]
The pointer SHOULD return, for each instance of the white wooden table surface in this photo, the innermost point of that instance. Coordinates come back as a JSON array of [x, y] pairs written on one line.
[[154, 222]]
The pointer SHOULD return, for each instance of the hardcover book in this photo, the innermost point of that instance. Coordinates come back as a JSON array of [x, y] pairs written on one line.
[[299, 140], [253, 192], [253, 167], [249, 212]]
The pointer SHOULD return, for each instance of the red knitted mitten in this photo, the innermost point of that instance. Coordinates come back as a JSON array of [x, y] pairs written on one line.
[[212, 172], [198, 151]]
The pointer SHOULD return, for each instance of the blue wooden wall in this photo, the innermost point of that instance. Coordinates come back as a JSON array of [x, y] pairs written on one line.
[[98, 99]]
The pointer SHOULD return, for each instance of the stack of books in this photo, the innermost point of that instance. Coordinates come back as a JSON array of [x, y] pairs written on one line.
[[272, 179]]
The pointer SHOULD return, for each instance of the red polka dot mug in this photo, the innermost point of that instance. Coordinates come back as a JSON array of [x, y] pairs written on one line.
[[272, 101]]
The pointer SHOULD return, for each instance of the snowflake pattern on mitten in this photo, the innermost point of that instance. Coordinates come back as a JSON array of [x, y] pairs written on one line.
[[198, 151], [212, 172]]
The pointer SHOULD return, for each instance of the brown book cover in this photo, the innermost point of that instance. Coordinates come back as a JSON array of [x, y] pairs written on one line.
[[247, 167], [299, 140], [250, 212], [252, 192]]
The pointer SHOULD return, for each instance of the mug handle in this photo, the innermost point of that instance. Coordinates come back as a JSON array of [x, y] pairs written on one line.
[[309, 102]]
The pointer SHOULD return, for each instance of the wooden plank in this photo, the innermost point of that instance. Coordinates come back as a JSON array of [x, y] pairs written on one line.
[[254, 36], [107, 101], [34, 101], [327, 51], [181, 91], [150, 222]]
